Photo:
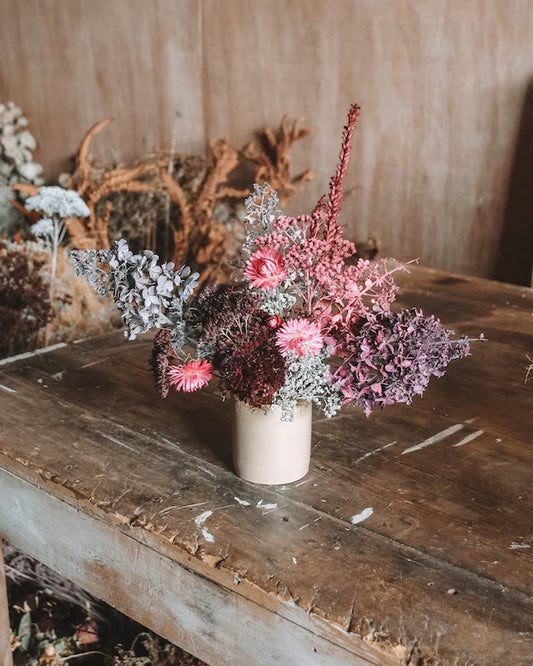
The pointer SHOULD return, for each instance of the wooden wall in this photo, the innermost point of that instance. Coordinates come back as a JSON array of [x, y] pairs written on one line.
[[436, 170]]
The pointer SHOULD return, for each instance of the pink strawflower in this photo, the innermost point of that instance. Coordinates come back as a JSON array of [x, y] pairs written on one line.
[[190, 376], [300, 336], [265, 269]]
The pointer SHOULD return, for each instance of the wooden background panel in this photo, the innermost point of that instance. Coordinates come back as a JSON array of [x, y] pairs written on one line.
[[70, 63], [441, 85], [437, 169]]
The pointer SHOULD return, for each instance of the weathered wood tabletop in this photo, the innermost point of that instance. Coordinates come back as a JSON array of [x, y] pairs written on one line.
[[410, 537]]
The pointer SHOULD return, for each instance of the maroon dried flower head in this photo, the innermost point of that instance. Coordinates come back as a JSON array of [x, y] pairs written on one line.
[[162, 354], [227, 314], [274, 322], [255, 375], [394, 355], [24, 300]]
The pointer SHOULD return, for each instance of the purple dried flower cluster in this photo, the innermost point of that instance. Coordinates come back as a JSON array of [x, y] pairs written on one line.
[[393, 356]]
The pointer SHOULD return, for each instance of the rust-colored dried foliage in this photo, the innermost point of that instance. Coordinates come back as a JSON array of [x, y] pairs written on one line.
[[272, 158], [189, 206]]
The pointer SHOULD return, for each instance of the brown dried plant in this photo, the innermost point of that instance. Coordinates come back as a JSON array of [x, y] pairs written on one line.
[[94, 185], [204, 210], [272, 158], [199, 238]]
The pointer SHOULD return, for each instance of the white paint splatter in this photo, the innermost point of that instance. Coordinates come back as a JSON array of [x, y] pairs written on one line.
[[262, 505], [359, 517], [241, 501], [200, 520], [435, 438], [37, 352], [6, 388], [372, 453], [88, 365], [117, 441], [515, 546], [470, 437], [207, 535]]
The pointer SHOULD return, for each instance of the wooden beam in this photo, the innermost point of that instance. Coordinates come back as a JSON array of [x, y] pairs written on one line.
[[203, 617], [5, 633]]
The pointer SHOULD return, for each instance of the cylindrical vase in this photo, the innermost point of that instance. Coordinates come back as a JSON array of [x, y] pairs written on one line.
[[268, 450]]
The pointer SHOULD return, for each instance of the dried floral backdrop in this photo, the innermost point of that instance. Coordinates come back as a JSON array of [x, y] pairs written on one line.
[[188, 208]]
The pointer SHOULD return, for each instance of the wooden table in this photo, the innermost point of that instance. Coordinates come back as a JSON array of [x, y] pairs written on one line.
[[410, 537]]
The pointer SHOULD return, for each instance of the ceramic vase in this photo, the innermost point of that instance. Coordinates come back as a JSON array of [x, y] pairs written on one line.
[[268, 450]]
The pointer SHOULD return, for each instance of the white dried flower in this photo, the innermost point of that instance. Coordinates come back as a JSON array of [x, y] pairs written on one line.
[[58, 201], [44, 229]]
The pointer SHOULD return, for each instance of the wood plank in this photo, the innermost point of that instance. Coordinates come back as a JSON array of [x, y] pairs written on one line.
[[126, 486], [136, 61], [424, 174], [435, 173], [210, 621], [5, 630]]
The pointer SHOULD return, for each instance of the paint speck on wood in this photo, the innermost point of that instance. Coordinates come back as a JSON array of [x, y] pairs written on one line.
[[360, 517]]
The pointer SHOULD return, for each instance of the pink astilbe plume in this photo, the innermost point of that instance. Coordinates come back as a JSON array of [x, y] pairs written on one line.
[[336, 193], [332, 290], [190, 376], [265, 269], [299, 336]]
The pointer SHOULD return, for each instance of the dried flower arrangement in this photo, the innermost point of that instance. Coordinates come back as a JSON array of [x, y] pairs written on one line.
[[301, 324], [42, 301], [188, 207]]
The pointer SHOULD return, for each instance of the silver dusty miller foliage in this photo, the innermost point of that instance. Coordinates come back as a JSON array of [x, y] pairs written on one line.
[[261, 211], [147, 293], [308, 380]]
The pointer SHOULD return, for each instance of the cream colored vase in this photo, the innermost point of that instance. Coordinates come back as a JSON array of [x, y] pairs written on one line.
[[268, 450]]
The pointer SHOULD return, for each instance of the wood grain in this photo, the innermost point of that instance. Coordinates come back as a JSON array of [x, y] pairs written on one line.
[[447, 480], [5, 632], [440, 167], [216, 624]]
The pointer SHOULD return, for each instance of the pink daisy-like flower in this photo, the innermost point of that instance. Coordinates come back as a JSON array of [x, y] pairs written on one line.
[[190, 376], [265, 269], [300, 336]]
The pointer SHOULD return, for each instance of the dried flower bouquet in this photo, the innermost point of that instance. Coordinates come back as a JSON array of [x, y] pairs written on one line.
[[299, 324]]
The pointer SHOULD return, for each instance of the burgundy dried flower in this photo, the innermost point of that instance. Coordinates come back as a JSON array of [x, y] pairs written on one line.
[[274, 322], [394, 355], [227, 314], [162, 354], [24, 300], [254, 376]]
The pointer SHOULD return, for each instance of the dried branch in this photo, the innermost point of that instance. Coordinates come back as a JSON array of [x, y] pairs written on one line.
[[272, 159]]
